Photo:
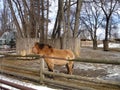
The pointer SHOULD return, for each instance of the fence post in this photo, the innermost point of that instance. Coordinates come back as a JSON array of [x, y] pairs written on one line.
[[41, 70]]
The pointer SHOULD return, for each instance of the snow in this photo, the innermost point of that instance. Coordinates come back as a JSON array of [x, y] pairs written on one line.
[[84, 66], [113, 73], [37, 87], [111, 45], [1, 55]]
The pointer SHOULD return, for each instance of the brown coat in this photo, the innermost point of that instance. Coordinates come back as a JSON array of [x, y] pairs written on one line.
[[48, 51]]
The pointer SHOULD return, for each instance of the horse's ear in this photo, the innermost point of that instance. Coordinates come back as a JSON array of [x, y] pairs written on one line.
[[51, 50], [36, 43]]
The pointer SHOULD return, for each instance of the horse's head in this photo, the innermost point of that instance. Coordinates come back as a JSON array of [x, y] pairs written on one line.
[[42, 49], [35, 48]]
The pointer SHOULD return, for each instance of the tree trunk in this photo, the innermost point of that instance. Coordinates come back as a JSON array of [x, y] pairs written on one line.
[[42, 35], [77, 15], [76, 46], [95, 39], [55, 25], [105, 42], [32, 19], [69, 34], [94, 44], [76, 42], [46, 34], [105, 45]]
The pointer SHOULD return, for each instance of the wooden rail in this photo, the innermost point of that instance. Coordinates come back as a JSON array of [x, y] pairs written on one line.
[[71, 85], [100, 61]]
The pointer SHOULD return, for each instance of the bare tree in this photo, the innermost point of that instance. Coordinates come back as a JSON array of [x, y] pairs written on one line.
[[15, 19], [67, 17], [29, 17], [92, 19], [5, 17], [108, 7], [62, 27], [58, 22]]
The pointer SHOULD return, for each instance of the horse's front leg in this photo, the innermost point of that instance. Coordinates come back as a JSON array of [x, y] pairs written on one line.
[[50, 64], [50, 67]]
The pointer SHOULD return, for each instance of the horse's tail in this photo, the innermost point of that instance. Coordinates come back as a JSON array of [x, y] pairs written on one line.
[[70, 64], [71, 54]]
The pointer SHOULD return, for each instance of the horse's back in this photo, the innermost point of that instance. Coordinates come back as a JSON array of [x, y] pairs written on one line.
[[61, 53]]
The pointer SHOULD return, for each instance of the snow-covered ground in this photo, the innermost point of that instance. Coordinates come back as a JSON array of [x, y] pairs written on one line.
[[111, 45], [107, 72], [37, 87], [112, 71]]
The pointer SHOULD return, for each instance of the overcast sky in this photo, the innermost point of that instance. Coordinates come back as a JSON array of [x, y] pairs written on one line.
[[53, 13]]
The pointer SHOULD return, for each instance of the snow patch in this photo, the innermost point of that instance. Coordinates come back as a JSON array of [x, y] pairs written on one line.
[[84, 66], [1, 55], [113, 71], [111, 45], [37, 87]]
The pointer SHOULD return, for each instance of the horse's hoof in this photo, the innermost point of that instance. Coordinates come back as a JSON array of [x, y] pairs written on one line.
[[56, 71]]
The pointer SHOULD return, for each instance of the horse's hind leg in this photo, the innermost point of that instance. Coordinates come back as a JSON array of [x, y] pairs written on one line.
[[50, 69], [67, 68], [70, 67]]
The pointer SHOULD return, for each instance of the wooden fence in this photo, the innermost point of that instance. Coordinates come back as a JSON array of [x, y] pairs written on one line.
[[71, 81]]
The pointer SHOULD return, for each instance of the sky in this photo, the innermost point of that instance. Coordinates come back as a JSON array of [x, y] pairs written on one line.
[[53, 13], [1, 4]]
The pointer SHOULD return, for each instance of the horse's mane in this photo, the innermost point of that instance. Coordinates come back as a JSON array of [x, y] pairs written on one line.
[[42, 45]]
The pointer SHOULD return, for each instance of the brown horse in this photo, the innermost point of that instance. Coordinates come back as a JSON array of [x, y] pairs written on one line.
[[48, 51]]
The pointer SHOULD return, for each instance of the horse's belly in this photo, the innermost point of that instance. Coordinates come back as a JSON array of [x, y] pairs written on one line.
[[60, 62]]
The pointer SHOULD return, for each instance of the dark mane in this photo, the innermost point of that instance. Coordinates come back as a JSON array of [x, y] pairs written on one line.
[[41, 45]]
